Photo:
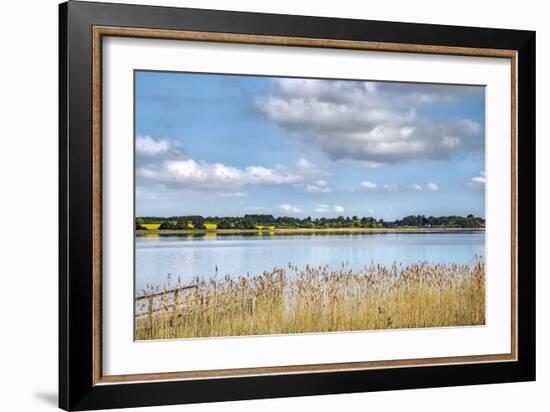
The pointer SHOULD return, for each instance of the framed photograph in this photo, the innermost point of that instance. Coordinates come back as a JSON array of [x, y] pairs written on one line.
[[257, 205]]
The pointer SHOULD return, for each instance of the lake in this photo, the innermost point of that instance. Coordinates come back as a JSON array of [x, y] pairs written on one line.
[[189, 256]]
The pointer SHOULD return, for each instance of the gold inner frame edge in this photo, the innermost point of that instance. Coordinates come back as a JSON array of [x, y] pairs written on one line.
[[102, 31]]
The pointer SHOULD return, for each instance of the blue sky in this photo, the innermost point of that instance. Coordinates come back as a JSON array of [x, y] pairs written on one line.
[[224, 145]]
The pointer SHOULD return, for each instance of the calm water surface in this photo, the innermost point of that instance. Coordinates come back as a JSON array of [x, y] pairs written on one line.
[[235, 255]]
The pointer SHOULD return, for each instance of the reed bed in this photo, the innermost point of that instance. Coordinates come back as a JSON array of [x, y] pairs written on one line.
[[315, 299]]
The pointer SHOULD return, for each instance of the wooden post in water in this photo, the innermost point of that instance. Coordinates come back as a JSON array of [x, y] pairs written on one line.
[[175, 308], [150, 316]]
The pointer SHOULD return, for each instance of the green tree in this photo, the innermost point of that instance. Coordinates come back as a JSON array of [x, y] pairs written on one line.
[[224, 224], [167, 225]]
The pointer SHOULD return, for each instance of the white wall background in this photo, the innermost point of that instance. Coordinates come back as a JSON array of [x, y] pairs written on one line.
[[28, 205]]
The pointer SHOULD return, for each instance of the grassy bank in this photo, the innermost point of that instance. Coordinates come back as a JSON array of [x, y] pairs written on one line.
[[300, 300], [307, 230]]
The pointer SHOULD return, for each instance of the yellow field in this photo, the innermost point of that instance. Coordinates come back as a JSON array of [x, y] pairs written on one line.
[[210, 226], [151, 226], [310, 299]]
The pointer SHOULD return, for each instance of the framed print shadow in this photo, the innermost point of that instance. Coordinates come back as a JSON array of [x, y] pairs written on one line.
[[256, 206]]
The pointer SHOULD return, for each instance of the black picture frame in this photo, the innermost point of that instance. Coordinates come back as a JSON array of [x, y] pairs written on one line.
[[77, 390]]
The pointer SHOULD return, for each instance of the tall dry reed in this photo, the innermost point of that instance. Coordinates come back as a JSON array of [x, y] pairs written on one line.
[[316, 299]]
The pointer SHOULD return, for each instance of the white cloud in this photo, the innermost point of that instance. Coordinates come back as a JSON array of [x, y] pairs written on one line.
[[233, 194], [391, 187], [371, 165], [450, 141], [322, 208], [146, 193], [432, 186], [478, 182], [367, 184], [415, 186], [155, 191], [215, 175], [303, 163], [306, 168], [286, 208], [469, 126], [371, 122], [317, 186], [150, 147]]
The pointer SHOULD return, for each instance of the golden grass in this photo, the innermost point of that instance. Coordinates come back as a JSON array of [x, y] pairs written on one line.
[[294, 300]]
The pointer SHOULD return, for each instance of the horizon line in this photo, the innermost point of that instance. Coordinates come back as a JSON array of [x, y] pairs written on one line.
[[304, 216]]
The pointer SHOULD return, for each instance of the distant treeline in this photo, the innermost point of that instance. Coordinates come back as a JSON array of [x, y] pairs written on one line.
[[257, 221]]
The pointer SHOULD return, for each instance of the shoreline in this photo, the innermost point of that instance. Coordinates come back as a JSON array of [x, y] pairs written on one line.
[[299, 231]]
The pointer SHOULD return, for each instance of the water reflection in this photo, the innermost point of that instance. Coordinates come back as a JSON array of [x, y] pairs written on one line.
[[198, 254]]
